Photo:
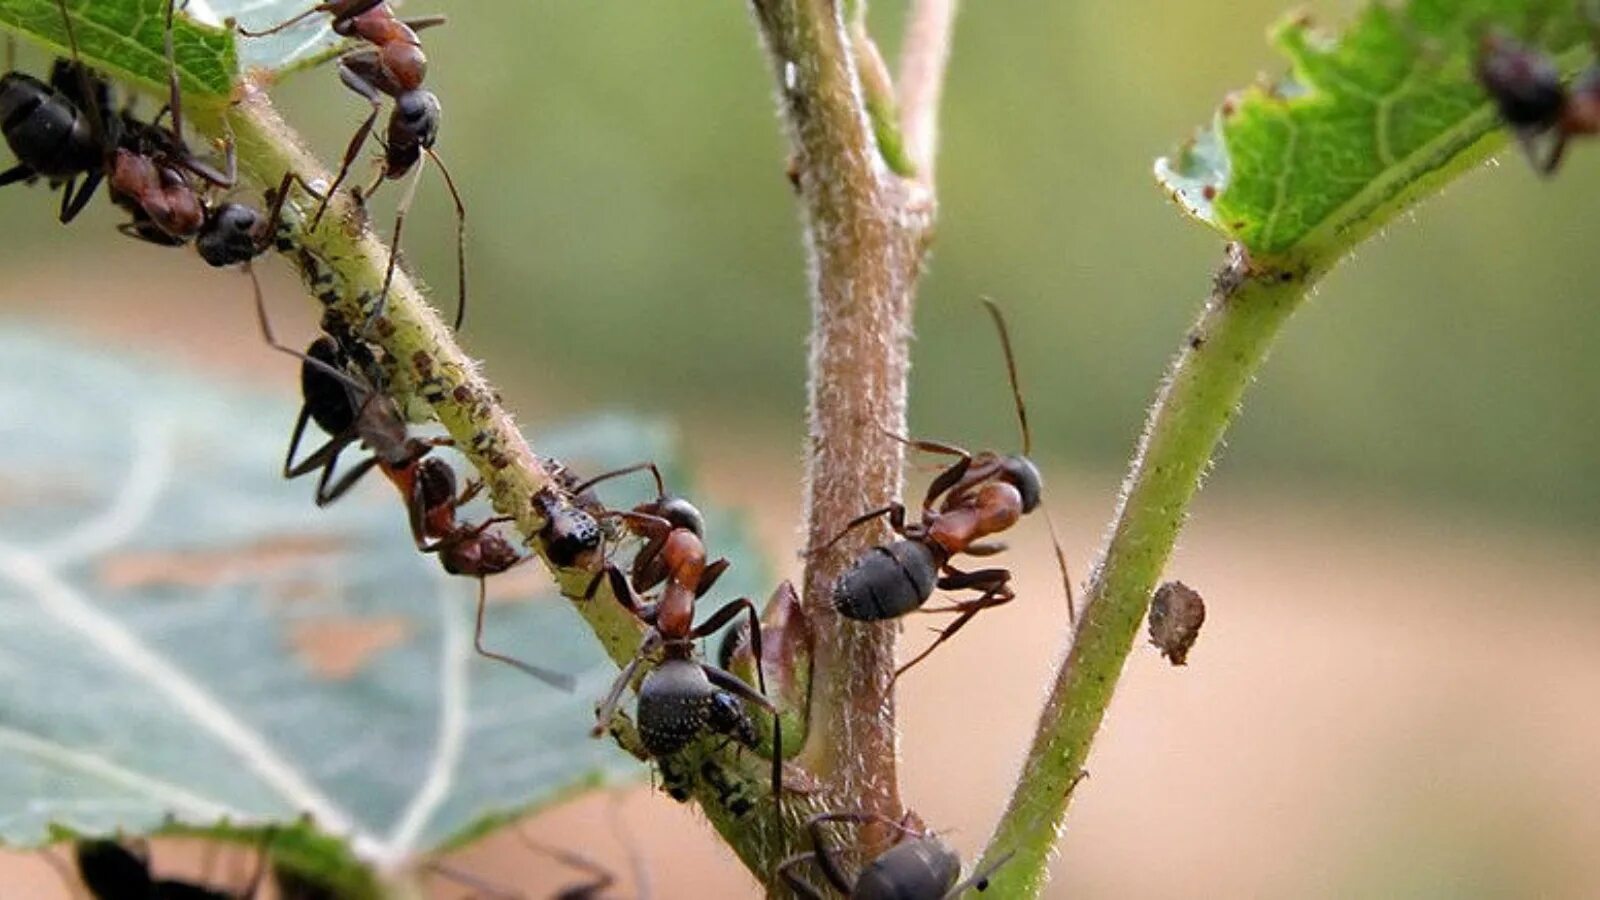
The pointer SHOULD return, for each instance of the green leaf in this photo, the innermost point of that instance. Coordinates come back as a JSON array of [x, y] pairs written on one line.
[[305, 44], [125, 39], [163, 597], [1366, 124]]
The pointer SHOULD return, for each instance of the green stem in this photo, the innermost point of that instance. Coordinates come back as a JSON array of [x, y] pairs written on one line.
[[343, 264], [1199, 399]]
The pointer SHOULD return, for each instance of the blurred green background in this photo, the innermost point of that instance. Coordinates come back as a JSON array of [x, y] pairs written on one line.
[[629, 215]]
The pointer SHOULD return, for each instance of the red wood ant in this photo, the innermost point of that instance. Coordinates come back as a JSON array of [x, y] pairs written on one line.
[[394, 66], [979, 495], [681, 697], [920, 866], [464, 549], [1527, 88]]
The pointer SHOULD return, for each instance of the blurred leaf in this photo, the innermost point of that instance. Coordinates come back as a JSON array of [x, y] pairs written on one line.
[[1366, 124], [126, 39], [306, 43], [186, 640]]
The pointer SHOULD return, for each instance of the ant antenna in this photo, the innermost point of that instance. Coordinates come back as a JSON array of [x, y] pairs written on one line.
[[461, 240], [619, 830], [603, 877], [1027, 449], [74, 886]]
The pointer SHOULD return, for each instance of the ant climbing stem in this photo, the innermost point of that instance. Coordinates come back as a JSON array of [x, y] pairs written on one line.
[[976, 497]]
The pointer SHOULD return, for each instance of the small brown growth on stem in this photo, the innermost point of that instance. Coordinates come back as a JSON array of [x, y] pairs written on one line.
[[1176, 613]]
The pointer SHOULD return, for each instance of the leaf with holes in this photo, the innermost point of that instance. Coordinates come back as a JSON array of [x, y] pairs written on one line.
[[126, 39], [185, 640], [1366, 124]]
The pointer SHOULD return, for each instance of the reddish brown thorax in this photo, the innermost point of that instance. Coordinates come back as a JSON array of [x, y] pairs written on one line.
[[685, 558], [399, 48], [161, 191], [995, 507]]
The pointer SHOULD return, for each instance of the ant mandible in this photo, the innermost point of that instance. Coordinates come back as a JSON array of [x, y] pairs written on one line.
[[979, 495], [394, 66], [465, 549], [919, 866], [1528, 91]]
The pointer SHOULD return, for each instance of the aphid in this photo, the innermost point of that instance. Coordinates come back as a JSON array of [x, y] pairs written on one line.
[[1176, 613], [920, 866], [571, 535], [394, 66], [978, 496]]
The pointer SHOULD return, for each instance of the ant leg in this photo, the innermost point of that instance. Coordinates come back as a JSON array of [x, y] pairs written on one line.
[[326, 495], [650, 467], [422, 22], [174, 92], [70, 210], [64, 872], [994, 597], [897, 520], [607, 710], [554, 679], [986, 548], [275, 210], [477, 885], [461, 240], [620, 588], [352, 80], [1550, 163], [709, 577], [286, 23], [400, 211], [795, 882], [603, 877], [21, 172], [263, 854]]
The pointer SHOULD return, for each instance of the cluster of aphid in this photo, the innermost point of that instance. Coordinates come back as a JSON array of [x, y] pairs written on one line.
[[1534, 101], [61, 132]]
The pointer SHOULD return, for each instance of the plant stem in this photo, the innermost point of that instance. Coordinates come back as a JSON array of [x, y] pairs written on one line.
[[1247, 308], [923, 61], [344, 264], [866, 233]]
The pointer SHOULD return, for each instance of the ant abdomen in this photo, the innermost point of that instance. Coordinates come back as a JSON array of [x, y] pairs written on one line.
[[676, 702], [922, 867], [46, 131], [887, 582]]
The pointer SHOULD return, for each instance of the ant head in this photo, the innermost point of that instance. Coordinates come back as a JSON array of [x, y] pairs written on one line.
[[571, 536], [675, 704], [436, 483], [416, 118], [1024, 476], [680, 512], [231, 234], [1523, 82]]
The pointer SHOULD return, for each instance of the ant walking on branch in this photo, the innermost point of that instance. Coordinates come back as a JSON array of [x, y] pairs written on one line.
[[920, 866], [978, 496], [393, 66], [1533, 100]]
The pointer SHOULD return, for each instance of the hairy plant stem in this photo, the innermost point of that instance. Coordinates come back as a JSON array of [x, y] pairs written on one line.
[[866, 230], [343, 264], [1247, 308]]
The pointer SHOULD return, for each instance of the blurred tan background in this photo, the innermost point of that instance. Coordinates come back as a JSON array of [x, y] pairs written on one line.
[[1394, 694]]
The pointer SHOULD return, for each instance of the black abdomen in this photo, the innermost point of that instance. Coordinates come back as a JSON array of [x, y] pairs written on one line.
[[886, 582]]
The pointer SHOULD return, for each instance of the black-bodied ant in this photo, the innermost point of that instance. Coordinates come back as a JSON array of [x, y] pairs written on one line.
[[919, 866], [978, 496], [393, 66], [1533, 100], [50, 133]]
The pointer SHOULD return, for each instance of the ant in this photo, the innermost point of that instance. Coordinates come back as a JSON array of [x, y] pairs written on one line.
[[465, 549], [394, 66], [978, 496], [571, 536], [1527, 88], [113, 872], [681, 696], [50, 134], [339, 398], [920, 866]]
